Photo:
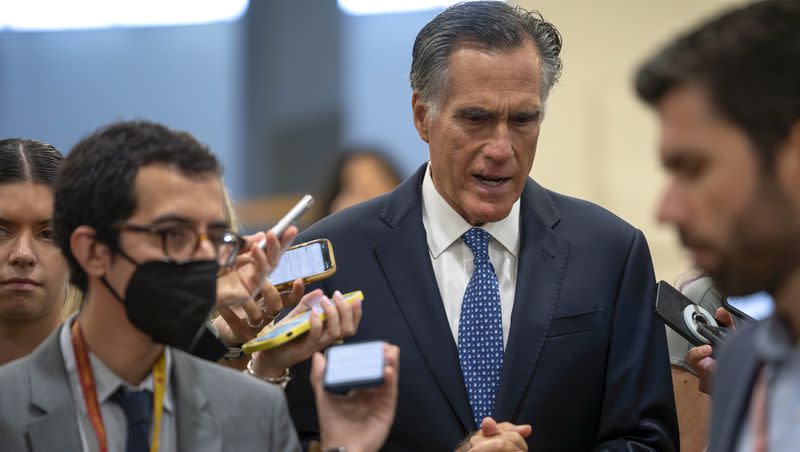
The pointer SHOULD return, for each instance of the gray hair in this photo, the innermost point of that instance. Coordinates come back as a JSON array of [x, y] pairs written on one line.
[[492, 24]]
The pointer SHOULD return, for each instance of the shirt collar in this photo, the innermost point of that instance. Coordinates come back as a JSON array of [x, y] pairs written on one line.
[[444, 225], [105, 380], [773, 340]]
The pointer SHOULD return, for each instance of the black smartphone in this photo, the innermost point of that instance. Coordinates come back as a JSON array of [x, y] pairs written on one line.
[[353, 366], [693, 322], [752, 307]]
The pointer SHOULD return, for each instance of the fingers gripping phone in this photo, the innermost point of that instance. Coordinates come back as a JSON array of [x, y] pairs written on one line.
[[353, 366], [293, 328], [311, 261], [693, 322]]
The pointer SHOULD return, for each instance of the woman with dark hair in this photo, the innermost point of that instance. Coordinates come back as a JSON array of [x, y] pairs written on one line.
[[33, 273], [359, 175]]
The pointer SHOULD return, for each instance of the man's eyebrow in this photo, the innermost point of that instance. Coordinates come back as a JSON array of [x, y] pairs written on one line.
[[172, 218], [680, 157], [468, 110], [218, 224], [528, 114]]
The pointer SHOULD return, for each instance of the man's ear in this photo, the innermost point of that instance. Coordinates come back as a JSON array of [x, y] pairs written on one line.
[[421, 120], [93, 257]]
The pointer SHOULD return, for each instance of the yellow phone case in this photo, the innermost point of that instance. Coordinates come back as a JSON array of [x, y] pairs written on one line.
[[292, 329]]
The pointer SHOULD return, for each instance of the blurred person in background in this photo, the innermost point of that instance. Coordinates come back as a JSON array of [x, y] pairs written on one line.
[[359, 175], [33, 274], [728, 101]]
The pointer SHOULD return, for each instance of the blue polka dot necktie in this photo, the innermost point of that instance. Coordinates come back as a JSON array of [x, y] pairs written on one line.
[[480, 329], [138, 406]]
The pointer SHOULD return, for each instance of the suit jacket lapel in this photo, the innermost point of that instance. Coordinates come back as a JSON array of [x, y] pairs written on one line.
[[54, 425], [197, 429], [738, 393], [541, 264], [405, 260]]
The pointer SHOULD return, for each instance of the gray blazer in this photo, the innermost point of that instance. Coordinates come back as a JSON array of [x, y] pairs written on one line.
[[217, 409]]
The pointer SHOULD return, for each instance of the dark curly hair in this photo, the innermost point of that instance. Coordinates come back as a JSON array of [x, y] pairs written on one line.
[[748, 60]]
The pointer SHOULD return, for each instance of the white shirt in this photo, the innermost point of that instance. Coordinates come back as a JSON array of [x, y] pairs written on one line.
[[452, 259], [106, 384]]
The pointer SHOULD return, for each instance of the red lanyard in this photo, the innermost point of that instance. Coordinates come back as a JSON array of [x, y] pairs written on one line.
[[89, 390], [758, 408]]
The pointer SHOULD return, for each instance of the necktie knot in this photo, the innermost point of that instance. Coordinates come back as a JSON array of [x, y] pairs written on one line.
[[478, 242]]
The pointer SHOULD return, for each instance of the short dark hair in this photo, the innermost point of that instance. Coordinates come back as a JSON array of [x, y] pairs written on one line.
[[27, 160], [748, 60], [96, 184], [493, 24]]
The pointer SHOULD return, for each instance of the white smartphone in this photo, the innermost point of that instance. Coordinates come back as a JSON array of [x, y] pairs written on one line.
[[293, 215]]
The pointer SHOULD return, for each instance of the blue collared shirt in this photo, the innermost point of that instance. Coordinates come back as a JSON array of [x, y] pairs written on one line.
[[774, 347]]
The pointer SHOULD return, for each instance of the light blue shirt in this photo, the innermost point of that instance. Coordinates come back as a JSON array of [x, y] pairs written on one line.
[[774, 347]]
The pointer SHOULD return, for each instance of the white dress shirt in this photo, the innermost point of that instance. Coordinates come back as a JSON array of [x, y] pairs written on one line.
[[106, 384], [452, 259]]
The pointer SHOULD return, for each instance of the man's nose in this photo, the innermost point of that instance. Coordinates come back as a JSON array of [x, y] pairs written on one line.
[[499, 147], [206, 248], [672, 208]]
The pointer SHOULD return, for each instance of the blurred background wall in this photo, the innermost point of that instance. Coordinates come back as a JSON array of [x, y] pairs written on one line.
[[277, 92]]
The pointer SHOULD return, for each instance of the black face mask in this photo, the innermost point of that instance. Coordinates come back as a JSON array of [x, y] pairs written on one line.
[[170, 301]]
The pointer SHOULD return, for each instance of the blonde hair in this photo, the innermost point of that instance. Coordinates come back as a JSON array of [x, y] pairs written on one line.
[[230, 211], [73, 298]]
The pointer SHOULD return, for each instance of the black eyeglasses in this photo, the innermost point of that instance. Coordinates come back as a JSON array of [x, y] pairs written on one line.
[[180, 241]]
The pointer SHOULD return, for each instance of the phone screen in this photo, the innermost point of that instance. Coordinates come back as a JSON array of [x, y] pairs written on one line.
[[758, 305], [354, 363], [300, 262]]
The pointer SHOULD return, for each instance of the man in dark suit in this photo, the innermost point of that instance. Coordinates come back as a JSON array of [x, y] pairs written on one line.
[[509, 301], [728, 99]]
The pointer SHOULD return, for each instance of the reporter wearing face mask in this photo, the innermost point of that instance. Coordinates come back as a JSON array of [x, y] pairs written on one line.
[[138, 215]]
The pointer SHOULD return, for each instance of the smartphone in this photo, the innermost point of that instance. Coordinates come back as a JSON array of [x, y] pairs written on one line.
[[693, 322], [353, 366], [752, 307], [312, 261], [293, 328], [293, 215]]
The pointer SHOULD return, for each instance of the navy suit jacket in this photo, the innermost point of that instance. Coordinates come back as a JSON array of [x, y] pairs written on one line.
[[586, 362]]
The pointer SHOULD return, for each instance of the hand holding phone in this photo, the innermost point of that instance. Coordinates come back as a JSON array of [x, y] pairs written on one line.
[[291, 329], [692, 321], [353, 366], [362, 420], [311, 261]]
